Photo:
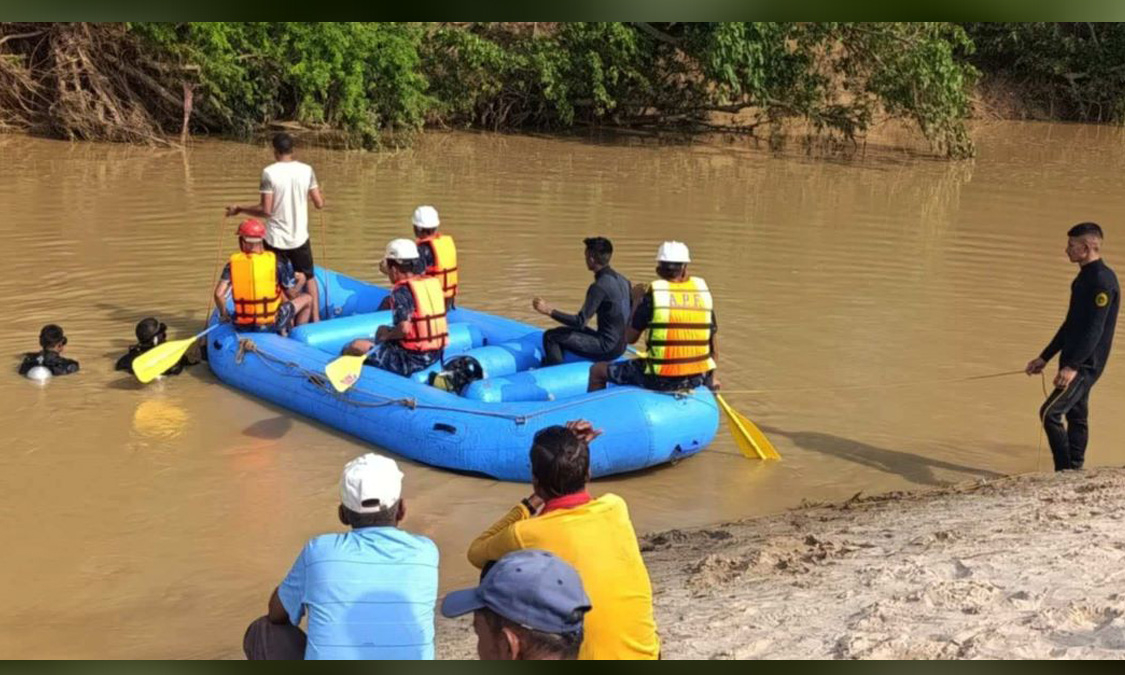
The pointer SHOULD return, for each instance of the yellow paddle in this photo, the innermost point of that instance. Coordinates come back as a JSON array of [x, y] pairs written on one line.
[[344, 371], [748, 437], [150, 365], [751, 442]]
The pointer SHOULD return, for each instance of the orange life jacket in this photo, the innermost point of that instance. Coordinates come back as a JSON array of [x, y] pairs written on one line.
[[427, 330], [445, 262], [257, 295], [679, 335]]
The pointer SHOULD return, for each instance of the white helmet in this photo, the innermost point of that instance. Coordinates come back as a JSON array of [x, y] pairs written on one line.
[[673, 252], [401, 250], [426, 217]]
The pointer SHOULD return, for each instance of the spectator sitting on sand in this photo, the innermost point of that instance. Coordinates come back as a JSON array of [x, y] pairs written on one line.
[[593, 535], [528, 607], [369, 592]]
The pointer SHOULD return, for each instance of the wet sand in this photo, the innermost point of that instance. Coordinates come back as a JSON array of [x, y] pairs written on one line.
[[1024, 567]]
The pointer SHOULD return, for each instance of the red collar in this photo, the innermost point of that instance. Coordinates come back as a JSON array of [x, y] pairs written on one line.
[[566, 502]]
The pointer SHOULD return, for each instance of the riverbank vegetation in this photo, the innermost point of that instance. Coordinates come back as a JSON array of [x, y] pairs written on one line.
[[382, 83]]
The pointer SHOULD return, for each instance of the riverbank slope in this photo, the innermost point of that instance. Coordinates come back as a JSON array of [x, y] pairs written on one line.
[[1023, 567]]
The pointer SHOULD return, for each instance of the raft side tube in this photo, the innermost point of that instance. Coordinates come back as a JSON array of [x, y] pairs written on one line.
[[333, 335], [543, 384]]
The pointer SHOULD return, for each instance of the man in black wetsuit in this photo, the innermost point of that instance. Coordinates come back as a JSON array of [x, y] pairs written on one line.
[[1083, 343], [53, 341], [608, 298]]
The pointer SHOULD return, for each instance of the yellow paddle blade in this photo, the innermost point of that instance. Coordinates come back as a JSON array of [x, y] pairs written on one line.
[[150, 365], [344, 371], [749, 438]]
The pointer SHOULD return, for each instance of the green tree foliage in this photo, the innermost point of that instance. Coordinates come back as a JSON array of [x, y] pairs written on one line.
[[366, 78], [1070, 71], [363, 77], [836, 76]]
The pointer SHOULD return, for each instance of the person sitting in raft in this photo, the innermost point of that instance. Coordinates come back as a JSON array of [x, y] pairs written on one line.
[[257, 279], [418, 332], [608, 298], [437, 251], [53, 342], [150, 333], [677, 312]]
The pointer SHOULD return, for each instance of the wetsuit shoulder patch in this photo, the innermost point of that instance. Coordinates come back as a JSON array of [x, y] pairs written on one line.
[[1101, 299]]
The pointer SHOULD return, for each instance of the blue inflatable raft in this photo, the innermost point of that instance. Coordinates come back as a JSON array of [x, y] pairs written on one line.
[[487, 429]]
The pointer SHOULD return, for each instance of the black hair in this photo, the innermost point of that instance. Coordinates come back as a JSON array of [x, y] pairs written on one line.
[[283, 143], [599, 248], [539, 644], [412, 266], [669, 270], [1083, 229], [51, 336], [387, 517], [560, 462]]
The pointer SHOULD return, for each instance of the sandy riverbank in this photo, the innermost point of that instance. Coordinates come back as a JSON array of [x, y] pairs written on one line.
[[1022, 567]]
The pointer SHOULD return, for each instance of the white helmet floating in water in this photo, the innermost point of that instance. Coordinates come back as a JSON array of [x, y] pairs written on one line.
[[673, 252], [39, 374], [426, 217], [401, 250]]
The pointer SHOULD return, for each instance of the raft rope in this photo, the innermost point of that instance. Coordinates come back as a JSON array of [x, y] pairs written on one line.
[[291, 369]]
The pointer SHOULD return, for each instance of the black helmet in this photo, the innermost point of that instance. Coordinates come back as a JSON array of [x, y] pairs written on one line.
[[148, 330], [51, 336]]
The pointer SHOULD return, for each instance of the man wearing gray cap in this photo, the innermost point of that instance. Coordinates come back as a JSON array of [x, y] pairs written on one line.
[[529, 606], [369, 593]]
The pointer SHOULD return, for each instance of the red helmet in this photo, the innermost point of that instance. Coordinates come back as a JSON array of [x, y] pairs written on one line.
[[252, 229]]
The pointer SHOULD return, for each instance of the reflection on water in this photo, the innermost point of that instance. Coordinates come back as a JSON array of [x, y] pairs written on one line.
[[154, 521], [159, 420]]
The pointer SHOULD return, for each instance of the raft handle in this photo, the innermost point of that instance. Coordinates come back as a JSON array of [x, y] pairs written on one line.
[[447, 428]]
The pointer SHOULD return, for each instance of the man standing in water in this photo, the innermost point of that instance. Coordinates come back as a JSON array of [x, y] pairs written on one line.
[[286, 188], [1083, 342]]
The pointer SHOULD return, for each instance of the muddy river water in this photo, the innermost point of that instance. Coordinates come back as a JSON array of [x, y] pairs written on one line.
[[154, 521]]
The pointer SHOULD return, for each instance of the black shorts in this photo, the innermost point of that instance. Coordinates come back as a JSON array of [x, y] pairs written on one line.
[[395, 359], [631, 373], [286, 312], [301, 257]]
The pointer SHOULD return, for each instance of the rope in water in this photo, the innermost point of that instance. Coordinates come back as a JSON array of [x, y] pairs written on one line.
[[291, 369], [215, 272], [324, 263], [884, 385]]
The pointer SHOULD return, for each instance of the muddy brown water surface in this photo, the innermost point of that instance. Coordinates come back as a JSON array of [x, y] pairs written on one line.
[[154, 521]]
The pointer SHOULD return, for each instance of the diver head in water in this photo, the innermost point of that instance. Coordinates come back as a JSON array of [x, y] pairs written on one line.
[[49, 361], [150, 333]]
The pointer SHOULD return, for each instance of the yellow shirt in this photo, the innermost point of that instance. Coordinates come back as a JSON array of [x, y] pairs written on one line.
[[598, 540]]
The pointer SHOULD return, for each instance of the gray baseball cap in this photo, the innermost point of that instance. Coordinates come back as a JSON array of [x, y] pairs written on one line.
[[535, 589]]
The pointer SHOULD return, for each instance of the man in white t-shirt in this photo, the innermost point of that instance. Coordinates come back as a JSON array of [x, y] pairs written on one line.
[[286, 188]]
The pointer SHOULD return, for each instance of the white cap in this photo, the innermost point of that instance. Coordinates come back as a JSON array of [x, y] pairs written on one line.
[[370, 477], [401, 249], [426, 217], [673, 252]]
